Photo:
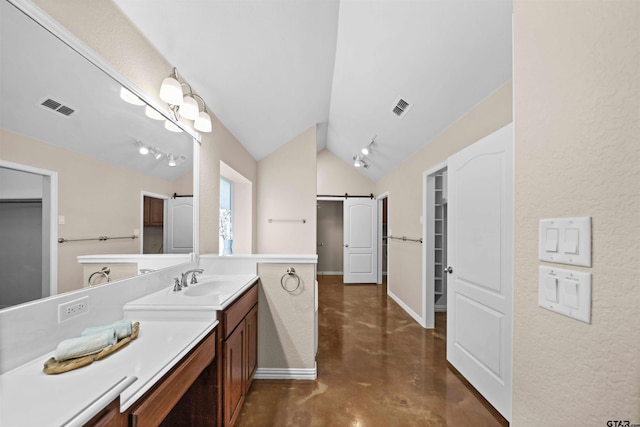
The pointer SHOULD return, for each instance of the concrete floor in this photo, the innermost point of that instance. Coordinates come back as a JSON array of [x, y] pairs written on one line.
[[376, 367]]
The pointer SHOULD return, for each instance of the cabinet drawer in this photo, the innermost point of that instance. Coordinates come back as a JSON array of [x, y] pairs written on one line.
[[108, 417], [155, 407], [236, 313]]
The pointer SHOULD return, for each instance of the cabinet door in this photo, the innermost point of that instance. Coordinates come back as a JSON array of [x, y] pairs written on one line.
[[234, 375], [251, 326]]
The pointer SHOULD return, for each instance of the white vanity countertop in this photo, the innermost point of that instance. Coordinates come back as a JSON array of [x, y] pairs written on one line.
[[211, 293], [29, 397]]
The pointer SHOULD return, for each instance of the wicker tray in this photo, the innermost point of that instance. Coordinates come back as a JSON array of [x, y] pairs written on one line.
[[53, 367]]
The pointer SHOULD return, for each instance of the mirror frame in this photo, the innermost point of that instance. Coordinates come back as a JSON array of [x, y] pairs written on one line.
[[58, 31]]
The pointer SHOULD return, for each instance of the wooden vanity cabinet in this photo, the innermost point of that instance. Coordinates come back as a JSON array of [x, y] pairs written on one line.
[[110, 416], [239, 348], [186, 395]]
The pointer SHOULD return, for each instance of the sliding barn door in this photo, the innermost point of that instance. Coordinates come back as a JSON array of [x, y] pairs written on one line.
[[360, 243]]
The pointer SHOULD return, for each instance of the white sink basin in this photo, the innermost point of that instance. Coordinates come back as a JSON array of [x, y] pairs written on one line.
[[199, 300], [215, 287]]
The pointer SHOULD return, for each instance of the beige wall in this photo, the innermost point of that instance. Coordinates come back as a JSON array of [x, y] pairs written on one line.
[[103, 27], [404, 185], [338, 177], [577, 153], [96, 198], [287, 191], [286, 319]]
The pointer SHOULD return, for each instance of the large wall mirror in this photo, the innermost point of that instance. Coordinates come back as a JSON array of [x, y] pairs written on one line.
[[72, 171]]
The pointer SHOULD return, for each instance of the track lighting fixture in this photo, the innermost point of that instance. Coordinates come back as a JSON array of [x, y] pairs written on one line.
[[172, 159], [359, 161], [367, 148]]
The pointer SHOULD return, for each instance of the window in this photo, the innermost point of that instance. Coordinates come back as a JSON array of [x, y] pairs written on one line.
[[226, 216]]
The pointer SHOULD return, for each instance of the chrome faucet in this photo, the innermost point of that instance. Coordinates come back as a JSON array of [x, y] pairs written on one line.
[[183, 281]]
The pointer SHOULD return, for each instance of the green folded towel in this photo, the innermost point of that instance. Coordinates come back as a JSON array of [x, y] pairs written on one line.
[[85, 345], [122, 328]]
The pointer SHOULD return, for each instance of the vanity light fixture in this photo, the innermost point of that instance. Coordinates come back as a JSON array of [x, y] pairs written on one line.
[[184, 105]]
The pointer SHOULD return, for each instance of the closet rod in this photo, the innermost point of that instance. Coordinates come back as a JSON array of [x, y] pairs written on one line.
[[100, 238], [404, 239], [347, 196]]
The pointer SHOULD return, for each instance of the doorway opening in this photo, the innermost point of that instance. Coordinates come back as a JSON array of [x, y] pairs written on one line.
[[435, 244], [29, 219]]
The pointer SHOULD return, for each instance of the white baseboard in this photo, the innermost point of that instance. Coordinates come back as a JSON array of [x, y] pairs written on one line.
[[406, 308], [440, 308], [287, 373], [330, 273]]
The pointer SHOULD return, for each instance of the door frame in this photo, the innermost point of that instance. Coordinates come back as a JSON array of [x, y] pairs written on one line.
[[428, 205], [49, 218], [380, 199], [144, 193]]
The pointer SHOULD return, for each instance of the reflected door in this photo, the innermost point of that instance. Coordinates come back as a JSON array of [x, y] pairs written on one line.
[[360, 243], [179, 226]]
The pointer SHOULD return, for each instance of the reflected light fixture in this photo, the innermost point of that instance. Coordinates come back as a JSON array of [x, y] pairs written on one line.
[[184, 105], [127, 96], [152, 113], [172, 159], [170, 126]]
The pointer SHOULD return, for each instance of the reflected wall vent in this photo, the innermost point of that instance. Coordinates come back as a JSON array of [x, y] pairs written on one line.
[[401, 107], [58, 107]]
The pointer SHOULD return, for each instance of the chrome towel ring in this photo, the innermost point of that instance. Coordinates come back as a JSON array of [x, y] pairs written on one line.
[[291, 272], [104, 271]]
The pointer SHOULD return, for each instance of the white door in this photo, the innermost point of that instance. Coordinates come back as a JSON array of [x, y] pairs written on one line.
[[360, 243], [480, 256], [179, 226]]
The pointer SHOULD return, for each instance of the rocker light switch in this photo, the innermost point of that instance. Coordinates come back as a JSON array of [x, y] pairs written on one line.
[[565, 241], [551, 289], [572, 291]]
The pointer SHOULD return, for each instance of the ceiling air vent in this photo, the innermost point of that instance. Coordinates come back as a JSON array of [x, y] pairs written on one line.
[[58, 107], [401, 107]]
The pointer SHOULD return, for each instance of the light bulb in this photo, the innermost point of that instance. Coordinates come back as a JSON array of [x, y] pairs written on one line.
[[189, 108], [172, 160], [152, 113], [171, 91], [144, 150], [129, 97], [169, 125], [203, 122]]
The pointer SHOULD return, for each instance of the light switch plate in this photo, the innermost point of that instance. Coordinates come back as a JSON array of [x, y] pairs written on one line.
[[574, 292], [565, 241]]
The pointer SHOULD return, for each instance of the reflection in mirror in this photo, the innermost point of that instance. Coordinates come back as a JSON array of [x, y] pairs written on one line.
[[72, 170]]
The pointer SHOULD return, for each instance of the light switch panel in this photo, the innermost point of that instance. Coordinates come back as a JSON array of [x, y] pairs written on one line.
[[572, 292], [565, 241]]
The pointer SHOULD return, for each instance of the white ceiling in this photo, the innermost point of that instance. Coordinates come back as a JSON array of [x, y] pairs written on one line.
[[269, 69]]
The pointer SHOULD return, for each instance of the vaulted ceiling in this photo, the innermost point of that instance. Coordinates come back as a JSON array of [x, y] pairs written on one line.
[[269, 69]]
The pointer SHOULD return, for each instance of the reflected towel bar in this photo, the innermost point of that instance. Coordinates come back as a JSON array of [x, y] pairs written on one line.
[[404, 239], [304, 221], [100, 238]]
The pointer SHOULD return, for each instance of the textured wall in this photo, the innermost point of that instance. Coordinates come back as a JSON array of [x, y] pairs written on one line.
[[338, 177], [286, 182], [286, 332], [405, 191], [577, 153]]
